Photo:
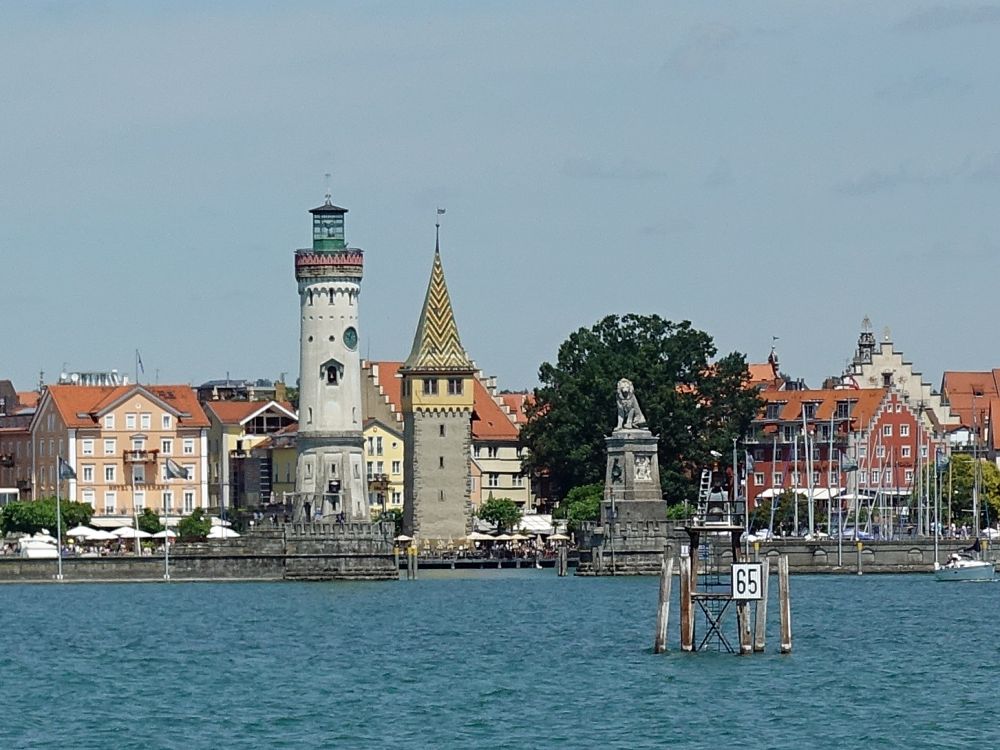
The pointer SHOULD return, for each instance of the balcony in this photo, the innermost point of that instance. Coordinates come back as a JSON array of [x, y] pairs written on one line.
[[140, 456]]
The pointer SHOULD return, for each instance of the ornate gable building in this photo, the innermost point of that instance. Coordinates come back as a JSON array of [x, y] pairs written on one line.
[[879, 365], [438, 402]]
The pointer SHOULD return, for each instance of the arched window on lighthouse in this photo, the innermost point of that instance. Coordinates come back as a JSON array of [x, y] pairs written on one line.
[[332, 371]]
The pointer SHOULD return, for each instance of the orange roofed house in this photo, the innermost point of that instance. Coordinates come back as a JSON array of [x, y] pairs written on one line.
[[974, 397], [117, 439], [876, 428]]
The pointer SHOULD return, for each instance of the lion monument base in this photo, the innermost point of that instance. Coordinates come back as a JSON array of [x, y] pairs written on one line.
[[633, 529]]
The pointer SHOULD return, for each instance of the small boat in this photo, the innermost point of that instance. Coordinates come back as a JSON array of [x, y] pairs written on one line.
[[964, 568]]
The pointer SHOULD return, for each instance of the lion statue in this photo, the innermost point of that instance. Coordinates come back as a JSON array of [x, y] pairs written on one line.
[[629, 413]]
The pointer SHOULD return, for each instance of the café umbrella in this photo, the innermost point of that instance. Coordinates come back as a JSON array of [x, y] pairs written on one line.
[[81, 532], [221, 532], [127, 532]]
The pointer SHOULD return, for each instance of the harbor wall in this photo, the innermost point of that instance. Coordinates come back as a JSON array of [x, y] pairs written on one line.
[[356, 551], [637, 548]]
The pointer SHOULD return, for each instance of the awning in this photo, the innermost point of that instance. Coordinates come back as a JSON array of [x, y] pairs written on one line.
[[536, 523]]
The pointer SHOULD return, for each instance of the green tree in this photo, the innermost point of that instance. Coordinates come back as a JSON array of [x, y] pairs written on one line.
[[957, 483], [194, 526], [696, 405], [501, 511], [581, 504], [150, 522], [34, 515]]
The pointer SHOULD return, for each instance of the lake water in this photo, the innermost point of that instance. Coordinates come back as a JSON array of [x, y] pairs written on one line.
[[518, 659]]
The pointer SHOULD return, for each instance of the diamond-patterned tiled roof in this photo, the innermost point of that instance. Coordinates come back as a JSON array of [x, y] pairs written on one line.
[[436, 345]]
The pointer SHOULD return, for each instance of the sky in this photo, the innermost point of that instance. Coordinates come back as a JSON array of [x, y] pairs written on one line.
[[760, 169]]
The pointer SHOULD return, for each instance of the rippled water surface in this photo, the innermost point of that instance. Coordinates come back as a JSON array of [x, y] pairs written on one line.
[[517, 659]]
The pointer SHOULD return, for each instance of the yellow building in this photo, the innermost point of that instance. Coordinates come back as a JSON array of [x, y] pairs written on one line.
[[274, 458], [117, 440], [384, 452], [236, 427]]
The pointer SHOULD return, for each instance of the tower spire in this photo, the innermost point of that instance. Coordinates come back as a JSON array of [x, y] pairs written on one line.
[[436, 344]]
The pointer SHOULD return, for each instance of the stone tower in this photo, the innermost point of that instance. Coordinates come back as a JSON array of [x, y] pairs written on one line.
[[437, 421], [329, 483]]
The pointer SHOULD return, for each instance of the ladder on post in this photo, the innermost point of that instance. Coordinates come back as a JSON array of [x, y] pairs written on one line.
[[704, 490]]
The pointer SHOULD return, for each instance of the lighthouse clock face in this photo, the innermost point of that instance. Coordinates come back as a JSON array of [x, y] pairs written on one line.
[[351, 338]]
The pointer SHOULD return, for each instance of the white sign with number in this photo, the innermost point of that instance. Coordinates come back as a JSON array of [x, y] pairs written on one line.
[[748, 581]]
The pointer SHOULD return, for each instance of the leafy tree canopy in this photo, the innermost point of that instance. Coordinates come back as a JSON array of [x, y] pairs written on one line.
[[959, 482], [695, 405], [34, 515], [581, 504], [194, 526], [150, 522], [501, 511]]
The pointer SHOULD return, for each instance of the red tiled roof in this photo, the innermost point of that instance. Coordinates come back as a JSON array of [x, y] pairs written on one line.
[[867, 403], [79, 405], [488, 420], [234, 412], [27, 399], [391, 385], [517, 403], [969, 393]]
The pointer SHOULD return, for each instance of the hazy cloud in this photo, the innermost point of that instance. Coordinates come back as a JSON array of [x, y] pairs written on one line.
[[626, 169], [942, 17], [721, 174], [672, 226], [971, 169], [924, 84], [704, 52]]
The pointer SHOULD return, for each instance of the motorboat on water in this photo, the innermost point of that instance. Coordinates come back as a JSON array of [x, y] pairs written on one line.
[[960, 567]]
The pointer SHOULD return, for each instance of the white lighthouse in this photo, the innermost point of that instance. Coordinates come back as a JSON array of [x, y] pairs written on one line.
[[329, 482]]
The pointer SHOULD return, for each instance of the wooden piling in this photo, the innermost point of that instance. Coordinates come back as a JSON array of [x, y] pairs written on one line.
[[663, 607], [760, 623], [395, 557], [411, 563], [743, 625], [563, 560], [785, 605], [687, 615], [860, 546]]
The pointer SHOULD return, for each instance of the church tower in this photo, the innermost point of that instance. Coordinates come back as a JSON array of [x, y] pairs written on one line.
[[437, 420], [329, 484]]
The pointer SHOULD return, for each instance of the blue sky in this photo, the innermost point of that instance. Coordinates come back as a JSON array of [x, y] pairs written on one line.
[[762, 169]]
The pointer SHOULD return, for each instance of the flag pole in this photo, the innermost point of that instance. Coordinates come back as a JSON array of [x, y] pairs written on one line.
[[59, 472], [166, 544]]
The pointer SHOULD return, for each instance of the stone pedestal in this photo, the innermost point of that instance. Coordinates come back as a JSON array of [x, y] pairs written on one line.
[[633, 532], [632, 479]]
